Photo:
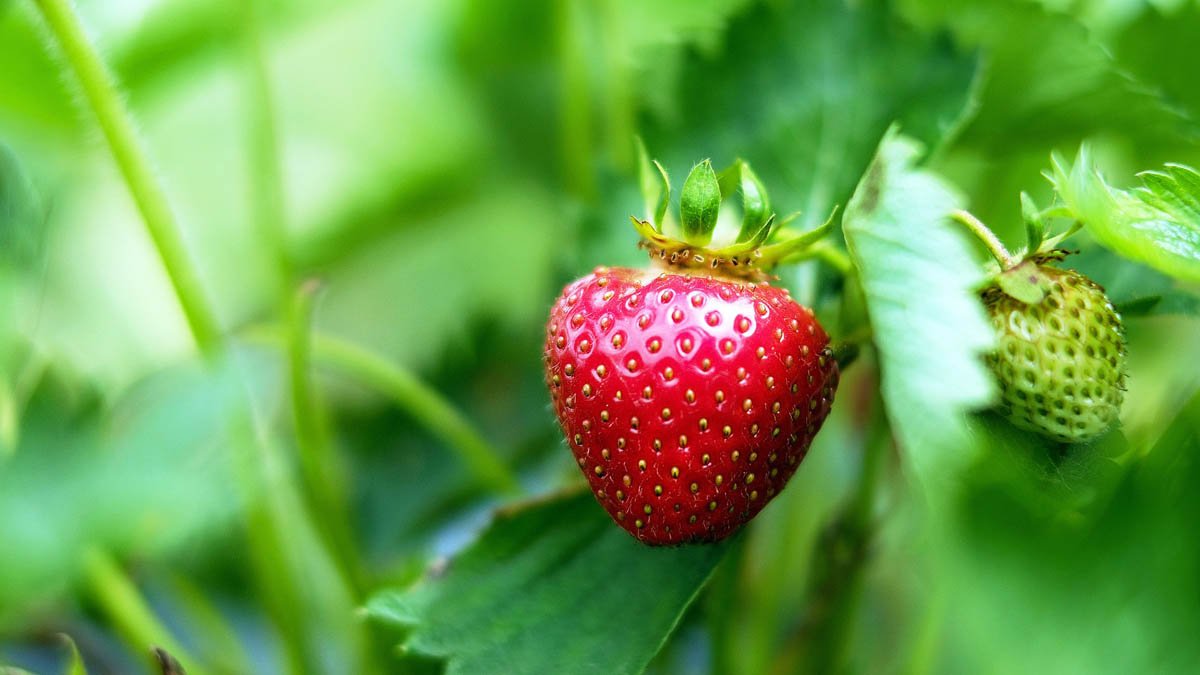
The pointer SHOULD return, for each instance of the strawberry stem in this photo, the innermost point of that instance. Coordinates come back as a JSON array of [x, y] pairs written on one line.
[[119, 598], [985, 235], [101, 93], [322, 475], [425, 404], [827, 253], [263, 149]]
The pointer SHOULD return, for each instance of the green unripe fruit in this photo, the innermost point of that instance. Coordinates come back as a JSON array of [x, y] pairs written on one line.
[[1060, 360]]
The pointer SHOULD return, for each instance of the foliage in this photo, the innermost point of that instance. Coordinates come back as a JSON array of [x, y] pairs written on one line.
[[1157, 223], [544, 563], [918, 276], [277, 367]]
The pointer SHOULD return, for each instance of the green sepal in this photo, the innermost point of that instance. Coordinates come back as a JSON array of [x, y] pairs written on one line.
[[756, 205], [760, 235], [772, 254], [743, 247], [1053, 242], [656, 187], [1025, 282], [1035, 227], [699, 204], [1056, 211], [645, 229], [730, 178], [787, 220]]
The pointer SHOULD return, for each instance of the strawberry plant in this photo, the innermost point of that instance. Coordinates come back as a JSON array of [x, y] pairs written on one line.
[[329, 347]]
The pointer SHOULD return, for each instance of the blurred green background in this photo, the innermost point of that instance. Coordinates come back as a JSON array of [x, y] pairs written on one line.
[[414, 181]]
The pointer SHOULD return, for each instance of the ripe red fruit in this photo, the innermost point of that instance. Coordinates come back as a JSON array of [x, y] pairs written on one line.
[[689, 401]]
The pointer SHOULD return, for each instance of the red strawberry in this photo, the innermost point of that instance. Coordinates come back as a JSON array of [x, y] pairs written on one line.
[[688, 400]]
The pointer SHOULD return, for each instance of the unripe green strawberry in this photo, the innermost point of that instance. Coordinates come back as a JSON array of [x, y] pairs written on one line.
[[1060, 360]]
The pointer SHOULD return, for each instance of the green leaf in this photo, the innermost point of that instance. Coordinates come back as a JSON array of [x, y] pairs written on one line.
[[1174, 302], [552, 587], [1063, 541], [918, 274], [807, 121], [1157, 224], [151, 474], [1048, 79], [1157, 49], [699, 204], [1049, 83]]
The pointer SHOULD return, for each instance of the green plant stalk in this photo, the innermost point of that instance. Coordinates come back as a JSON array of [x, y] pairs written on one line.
[[924, 646], [424, 404], [823, 639], [100, 90], [220, 645], [10, 425], [266, 173], [295, 573], [120, 600], [324, 477], [825, 252], [985, 235], [75, 665], [721, 608], [619, 104], [267, 561], [412, 395], [831, 653], [575, 103]]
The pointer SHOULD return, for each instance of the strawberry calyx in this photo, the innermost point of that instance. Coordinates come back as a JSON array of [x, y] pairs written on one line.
[[1022, 275], [687, 246], [1027, 280], [750, 260]]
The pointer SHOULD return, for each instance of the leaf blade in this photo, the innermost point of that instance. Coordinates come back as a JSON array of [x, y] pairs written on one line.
[[545, 564], [929, 327], [808, 123], [1157, 224]]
